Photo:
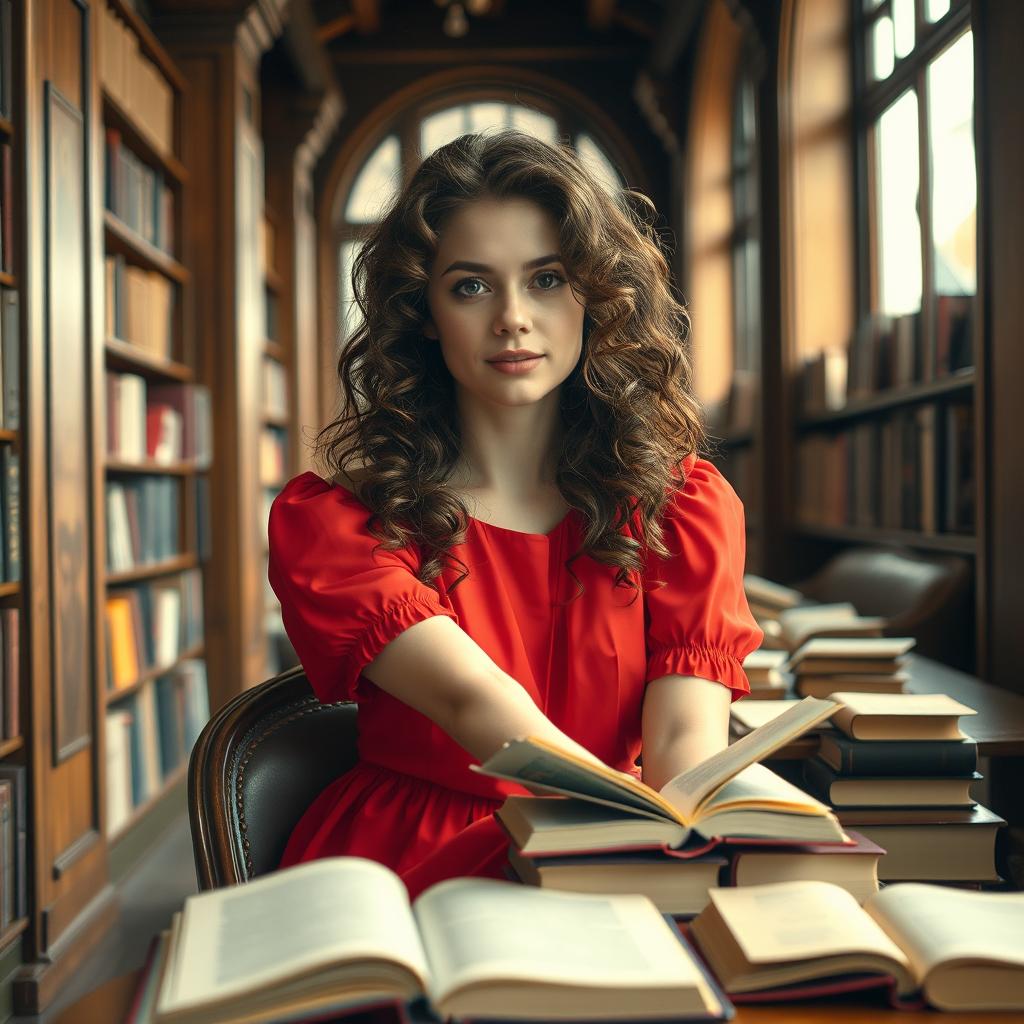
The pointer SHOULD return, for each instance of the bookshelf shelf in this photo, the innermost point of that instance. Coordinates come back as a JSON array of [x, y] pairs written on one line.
[[121, 238], [11, 589], [147, 805], [8, 280], [11, 932], [867, 407], [142, 572], [113, 696], [123, 355], [150, 467], [6, 128], [275, 419], [961, 544], [8, 435], [115, 116], [11, 746], [275, 350]]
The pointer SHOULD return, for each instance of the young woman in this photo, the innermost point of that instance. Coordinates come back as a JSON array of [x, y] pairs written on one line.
[[515, 535]]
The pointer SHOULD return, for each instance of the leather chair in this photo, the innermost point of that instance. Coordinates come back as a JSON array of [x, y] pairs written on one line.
[[257, 765], [926, 596]]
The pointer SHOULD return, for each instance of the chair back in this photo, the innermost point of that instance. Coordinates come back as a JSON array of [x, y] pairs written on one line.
[[927, 596], [258, 764]]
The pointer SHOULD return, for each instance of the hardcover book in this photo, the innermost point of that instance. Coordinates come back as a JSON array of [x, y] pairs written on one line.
[[727, 795], [952, 949], [339, 933]]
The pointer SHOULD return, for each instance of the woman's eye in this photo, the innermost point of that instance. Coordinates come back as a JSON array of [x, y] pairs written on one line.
[[467, 281], [555, 278]]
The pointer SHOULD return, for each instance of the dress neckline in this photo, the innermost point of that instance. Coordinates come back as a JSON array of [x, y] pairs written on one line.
[[483, 524]]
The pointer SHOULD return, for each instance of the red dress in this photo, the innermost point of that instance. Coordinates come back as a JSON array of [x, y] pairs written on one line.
[[411, 802]]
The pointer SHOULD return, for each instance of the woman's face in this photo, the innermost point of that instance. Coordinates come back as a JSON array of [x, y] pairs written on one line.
[[496, 285]]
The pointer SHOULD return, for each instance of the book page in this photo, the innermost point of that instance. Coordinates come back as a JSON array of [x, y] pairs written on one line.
[[480, 929], [933, 923], [250, 936], [687, 791], [780, 922], [541, 765], [928, 705], [758, 786]]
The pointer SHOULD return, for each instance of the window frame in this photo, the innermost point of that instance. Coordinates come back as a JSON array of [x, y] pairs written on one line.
[[870, 100]]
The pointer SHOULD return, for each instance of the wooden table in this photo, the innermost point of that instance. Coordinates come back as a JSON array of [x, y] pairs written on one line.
[[110, 1003]]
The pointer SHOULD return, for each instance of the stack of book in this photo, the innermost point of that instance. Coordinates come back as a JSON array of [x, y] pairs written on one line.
[[766, 675], [897, 768], [726, 821], [798, 625], [825, 665], [767, 600]]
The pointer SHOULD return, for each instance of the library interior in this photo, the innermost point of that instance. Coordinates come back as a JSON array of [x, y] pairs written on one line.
[[835, 189]]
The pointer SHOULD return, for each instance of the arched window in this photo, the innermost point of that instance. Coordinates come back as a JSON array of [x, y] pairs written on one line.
[[396, 156]]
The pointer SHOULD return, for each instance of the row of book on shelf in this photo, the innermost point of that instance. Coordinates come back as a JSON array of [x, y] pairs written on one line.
[[138, 306], [7, 253], [275, 387], [135, 83], [888, 353], [10, 672], [728, 884], [273, 456], [137, 194], [148, 626], [149, 736], [913, 469], [164, 423]]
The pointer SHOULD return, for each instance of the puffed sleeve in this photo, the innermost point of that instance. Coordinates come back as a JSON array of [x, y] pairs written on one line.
[[699, 623], [341, 602]]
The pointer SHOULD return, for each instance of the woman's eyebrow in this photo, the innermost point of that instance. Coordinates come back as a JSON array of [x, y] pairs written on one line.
[[484, 269]]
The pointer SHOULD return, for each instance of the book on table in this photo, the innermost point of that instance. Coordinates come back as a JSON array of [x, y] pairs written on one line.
[[797, 625], [769, 594], [826, 685], [746, 715], [951, 949], [727, 796], [674, 886], [899, 716], [339, 934], [896, 757], [864, 656], [840, 790], [924, 844]]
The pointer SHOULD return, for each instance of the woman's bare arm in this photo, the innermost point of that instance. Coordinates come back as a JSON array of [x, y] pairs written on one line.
[[435, 667], [685, 721]]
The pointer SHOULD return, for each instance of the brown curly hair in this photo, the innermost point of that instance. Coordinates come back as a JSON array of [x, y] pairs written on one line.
[[628, 413]]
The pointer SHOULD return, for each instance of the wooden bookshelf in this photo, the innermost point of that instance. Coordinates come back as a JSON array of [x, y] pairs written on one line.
[[143, 572], [122, 355], [121, 238], [16, 748], [113, 696]]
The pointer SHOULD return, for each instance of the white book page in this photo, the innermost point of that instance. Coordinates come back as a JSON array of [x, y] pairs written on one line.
[[477, 929], [934, 923], [294, 920], [758, 786], [688, 790], [785, 921]]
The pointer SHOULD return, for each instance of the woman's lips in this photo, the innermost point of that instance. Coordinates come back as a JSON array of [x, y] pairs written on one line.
[[515, 366]]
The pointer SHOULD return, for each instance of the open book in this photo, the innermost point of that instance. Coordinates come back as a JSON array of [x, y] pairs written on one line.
[[727, 795], [339, 934], [959, 950]]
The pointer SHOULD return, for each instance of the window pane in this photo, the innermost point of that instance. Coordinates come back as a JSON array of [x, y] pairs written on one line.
[[898, 228], [376, 185], [533, 121], [882, 49], [954, 198], [487, 115], [349, 314], [439, 129], [935, 9], [903, 16], [594, 159]]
